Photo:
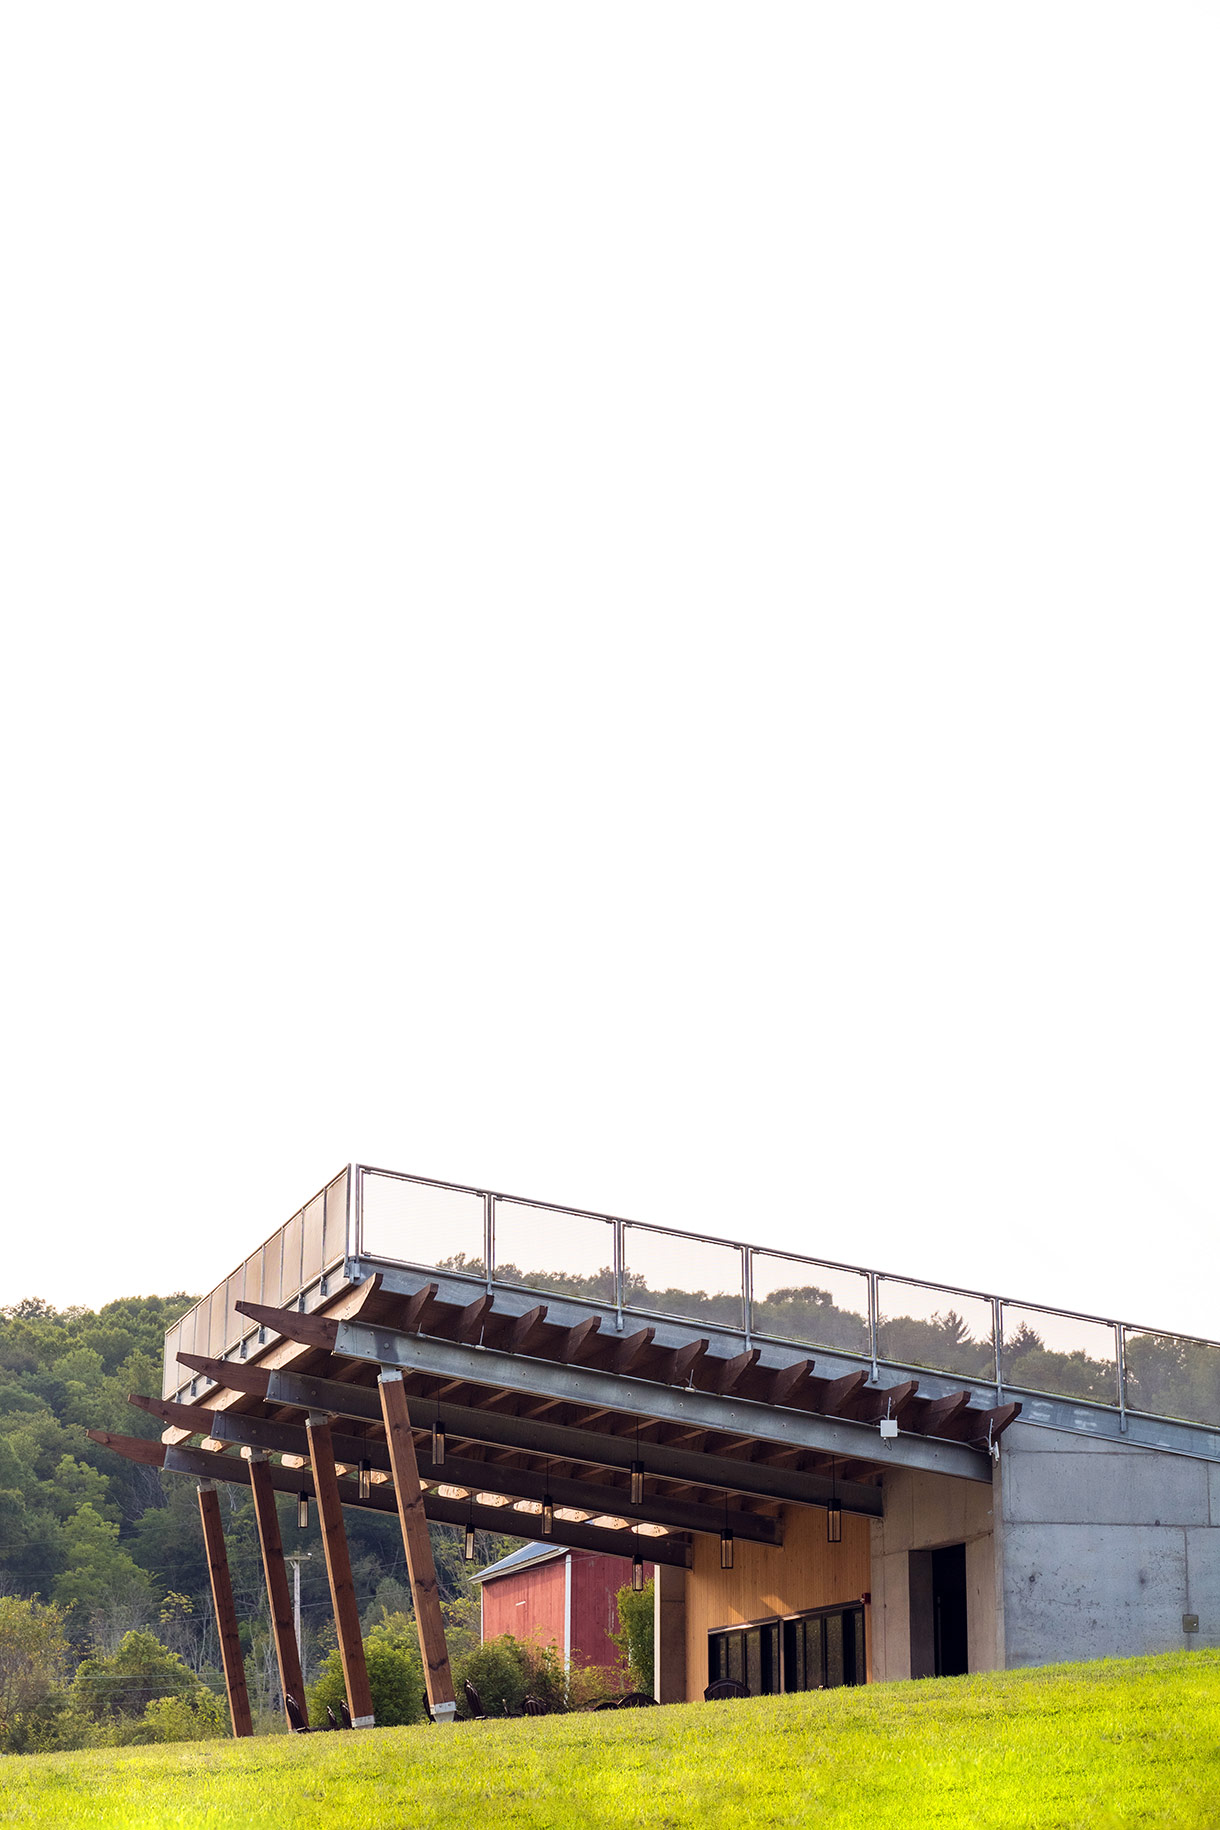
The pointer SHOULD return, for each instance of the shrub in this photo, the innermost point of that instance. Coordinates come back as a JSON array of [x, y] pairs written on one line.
[[635, 1631], [395, 1680], [201, 1718], [33, 1649], [506, 1670], [126, 1682]]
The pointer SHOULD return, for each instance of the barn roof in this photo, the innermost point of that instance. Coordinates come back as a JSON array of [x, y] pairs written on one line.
[[528, 1555]]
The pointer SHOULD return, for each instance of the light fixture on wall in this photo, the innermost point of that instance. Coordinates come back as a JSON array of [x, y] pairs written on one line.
[[834, 1513], [726, 1539], [366, 1480], [637, 1471], [302, 1511], [637, 1569]]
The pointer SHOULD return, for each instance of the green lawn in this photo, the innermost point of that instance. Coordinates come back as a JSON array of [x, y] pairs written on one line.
[[1101, 1745]]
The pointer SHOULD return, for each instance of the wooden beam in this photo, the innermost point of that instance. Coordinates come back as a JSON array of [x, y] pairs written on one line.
[[631, 1349], [339, 1571], [421, 1568], [939, 1412], [177, 1460], [263, 1434], [226, 1616], [836, 1393], [683, 1360], [287, 1652], [576, 1339], [236, 1374], [470, 1320], [417, 1308], [982, 1426], [788, 1381], [509, 1430], [526, 1329], [883, 1401], [134, 1448], [294, 1324], [728, 1374]]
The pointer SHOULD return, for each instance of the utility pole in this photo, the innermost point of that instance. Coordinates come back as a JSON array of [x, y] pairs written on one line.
[[296, 1558]]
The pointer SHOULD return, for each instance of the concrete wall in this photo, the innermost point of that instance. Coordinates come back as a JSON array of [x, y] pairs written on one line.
[[926, 1512], [669, 1634], [1104, 1548]]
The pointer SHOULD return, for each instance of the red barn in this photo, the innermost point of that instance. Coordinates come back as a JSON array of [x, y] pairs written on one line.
[[564, 1597]]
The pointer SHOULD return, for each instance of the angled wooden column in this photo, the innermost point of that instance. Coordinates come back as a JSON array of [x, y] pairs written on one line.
[[418, 1545], [226, 1616], [339, 1570], [287, 1651]]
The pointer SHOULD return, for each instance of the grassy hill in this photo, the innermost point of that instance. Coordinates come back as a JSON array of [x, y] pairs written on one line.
[[1116, 1743]]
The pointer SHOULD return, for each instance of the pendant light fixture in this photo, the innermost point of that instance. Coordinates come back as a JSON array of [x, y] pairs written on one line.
[[366, 1480], [438, 1436], [637, 1567], [834, 1513], [637, 1471], [548, 1508], [726, 1539], [302, 1511], [468, 1546]]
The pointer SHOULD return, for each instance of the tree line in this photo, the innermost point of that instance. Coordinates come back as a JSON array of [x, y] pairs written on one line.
[[106, 1623]]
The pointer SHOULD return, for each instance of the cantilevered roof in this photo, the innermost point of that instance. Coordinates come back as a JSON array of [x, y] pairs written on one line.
[[558, 1348]]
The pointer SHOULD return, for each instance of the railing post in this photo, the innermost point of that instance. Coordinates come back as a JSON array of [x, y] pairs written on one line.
[[872, 1324], [747, 1293], [617, 1228], [1120, 1361], [355, 1211], [489, 1235], [997, 1339]]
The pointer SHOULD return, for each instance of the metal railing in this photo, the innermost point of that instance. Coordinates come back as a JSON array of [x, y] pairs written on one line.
[[639, 1269], [870, 1316], [292, 1266]]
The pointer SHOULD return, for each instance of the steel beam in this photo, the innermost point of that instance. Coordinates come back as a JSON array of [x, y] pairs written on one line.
[[245, 1430], [836, 1436], [566, 1536], [762, 1480]]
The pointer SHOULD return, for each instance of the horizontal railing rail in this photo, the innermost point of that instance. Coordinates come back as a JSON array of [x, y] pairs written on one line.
[[785, 1296], [638, 1267]]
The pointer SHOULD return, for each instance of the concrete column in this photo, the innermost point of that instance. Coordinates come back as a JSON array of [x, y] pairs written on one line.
[[669, 1633]]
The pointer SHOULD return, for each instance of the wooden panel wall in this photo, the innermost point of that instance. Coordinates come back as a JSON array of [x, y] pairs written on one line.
[[806, 1572], [596, 1581], [528, 1603]]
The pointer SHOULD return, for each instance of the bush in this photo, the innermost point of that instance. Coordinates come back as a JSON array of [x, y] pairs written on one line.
[[396, 1681], [202, 1718], [33, 1650], [634, 1637], [126, 1682], [506, 1670]]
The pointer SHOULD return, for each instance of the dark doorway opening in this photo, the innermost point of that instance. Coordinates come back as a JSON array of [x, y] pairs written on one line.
[[949, 1611]]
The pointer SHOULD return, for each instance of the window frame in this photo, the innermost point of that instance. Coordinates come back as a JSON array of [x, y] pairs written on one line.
[[779, 1625]]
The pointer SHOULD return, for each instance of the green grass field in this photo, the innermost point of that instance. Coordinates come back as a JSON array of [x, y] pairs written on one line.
[[1134, 1742]]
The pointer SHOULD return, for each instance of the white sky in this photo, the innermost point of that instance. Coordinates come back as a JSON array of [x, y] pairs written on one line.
[[618, 603]]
